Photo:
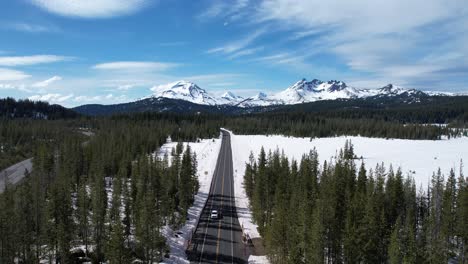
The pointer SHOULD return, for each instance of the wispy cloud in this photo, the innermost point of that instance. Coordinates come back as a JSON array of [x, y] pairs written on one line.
[[12, 75], [237, 45], [282, 58], [214, 10], [212, 77], [110, 98], [46, 83], [51, 97], [31, 60], [223, 84], [245, 52], [173, 44], [135, 66], [29, 27], [307, 33], [380, 39], [92, 9], [230, 10]]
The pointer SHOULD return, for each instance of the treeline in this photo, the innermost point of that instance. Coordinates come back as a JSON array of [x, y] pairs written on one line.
[[20, 137], [400, 109], [342, 213], [303, 124], [11, 108], [99, 198], [311, 125]]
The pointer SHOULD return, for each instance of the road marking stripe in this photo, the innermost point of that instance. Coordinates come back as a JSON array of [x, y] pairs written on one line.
[[231, 197]]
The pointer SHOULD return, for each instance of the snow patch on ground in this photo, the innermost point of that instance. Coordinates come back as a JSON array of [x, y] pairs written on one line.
[[258, 260], [417, 158], [207, 151]]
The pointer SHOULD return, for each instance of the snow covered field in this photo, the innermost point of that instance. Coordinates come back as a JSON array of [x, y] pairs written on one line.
[[207, 152], [417, 158]]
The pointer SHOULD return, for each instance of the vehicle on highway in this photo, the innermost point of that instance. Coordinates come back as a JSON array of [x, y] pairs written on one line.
[[214, 214]]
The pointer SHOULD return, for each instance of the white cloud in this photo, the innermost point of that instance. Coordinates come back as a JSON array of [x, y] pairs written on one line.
[[7, 86], [31, 60], [360, 16], [404, 40], [85, 98], [125, 87], [92, 8], [12, 75], [135, 66], [51, 97], [47, 82]]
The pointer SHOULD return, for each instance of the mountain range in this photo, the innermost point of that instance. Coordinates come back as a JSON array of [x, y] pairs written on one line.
[[302, 91], [185, 96]]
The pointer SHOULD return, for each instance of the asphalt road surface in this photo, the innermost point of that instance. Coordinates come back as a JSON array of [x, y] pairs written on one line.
[[220, 241], [15, 173]]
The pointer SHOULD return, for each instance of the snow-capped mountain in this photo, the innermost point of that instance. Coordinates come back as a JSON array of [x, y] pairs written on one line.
[[184, 90], [260, 99], [302, 91], [315, 90]]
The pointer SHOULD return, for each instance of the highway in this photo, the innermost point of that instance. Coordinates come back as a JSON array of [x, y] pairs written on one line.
[[15, 173], [220, 241]]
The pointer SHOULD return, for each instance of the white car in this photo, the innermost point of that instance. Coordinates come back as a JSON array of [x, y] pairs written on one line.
[[214, 214]]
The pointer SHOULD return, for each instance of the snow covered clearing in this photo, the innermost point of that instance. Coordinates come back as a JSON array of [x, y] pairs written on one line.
[[417, 158], [207, 151]]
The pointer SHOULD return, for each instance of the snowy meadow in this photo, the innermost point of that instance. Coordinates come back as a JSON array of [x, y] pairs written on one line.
[[416, 158]]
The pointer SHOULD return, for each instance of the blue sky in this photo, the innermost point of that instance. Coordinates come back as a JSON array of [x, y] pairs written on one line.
[[109, 51]]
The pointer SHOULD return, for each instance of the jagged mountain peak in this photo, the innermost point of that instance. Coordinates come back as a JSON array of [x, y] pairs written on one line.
[[391, 89], [335, 85], [260, 95], [230, 96], [303, 84]]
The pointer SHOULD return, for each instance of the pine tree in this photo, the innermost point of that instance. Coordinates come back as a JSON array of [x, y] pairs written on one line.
[[278, 233], [259, 195], [8, 231], [317, 238], [99, 206], [448, 217], [395, 247], [249, 176], [436, 240], [462, 217], [82, 213], [187, 181], [25, 216], [116, 251]]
